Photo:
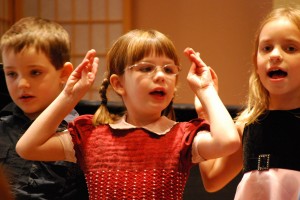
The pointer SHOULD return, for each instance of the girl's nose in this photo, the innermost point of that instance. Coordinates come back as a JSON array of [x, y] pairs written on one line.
[[159, 74], [275, 55]]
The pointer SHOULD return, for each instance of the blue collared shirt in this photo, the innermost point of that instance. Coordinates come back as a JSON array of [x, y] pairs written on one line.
[[33, 179]]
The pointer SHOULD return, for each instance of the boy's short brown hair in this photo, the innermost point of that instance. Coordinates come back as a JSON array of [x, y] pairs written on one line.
[[43, 35]]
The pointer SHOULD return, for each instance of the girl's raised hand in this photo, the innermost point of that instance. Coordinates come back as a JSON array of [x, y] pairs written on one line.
[[200, 75], [82, 78]]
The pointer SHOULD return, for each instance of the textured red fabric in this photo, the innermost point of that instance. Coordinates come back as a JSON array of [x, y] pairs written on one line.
[[134, 163]]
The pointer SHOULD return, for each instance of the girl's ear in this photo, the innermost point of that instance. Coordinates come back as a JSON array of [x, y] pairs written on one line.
[[116, 83], [66, 72]]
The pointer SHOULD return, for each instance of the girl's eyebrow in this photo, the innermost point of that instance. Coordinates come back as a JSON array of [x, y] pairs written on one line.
[[264, 40], [293, 39]]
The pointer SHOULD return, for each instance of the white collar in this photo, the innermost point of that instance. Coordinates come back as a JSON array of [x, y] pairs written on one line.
[[159, 127]]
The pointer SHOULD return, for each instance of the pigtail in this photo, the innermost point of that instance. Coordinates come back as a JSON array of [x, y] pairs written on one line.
[[169, 112], [102, 115]]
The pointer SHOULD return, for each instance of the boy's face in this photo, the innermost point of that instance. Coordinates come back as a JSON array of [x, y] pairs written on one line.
[[32, 81]]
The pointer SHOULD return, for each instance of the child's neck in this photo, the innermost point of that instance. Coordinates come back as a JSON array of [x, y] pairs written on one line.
[[141, 121], [284, 102]]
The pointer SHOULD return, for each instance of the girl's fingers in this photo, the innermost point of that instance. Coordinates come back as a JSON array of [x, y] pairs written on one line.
[[188, 52], [90, 54], [94, 69], [88, 61], [214, 78], [194, 57]]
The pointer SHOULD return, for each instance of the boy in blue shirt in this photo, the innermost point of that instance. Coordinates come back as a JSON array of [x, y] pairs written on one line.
[[36, 55]]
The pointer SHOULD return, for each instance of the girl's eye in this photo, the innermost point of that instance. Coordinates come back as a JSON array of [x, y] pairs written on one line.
[[267, 48], [170, 69], [291, 49], [146, 68]]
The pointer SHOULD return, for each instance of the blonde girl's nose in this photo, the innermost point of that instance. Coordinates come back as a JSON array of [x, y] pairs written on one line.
[[275, 55]]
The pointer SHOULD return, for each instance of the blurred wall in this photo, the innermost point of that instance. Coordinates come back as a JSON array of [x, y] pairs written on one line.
[[222, 31]]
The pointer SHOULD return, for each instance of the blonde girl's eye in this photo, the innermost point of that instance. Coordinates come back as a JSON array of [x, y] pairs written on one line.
[[267, 48], [291, 49]]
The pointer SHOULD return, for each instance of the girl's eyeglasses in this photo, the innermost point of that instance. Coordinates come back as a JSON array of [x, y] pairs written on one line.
[[150, 68]]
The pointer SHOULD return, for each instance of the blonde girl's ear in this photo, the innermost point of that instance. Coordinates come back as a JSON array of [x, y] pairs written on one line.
[[66, 71], [117, 85]]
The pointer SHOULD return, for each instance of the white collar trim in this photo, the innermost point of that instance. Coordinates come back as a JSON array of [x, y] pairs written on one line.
[[159, 127]]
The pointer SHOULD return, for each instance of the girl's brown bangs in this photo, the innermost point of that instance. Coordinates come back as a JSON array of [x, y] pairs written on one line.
[[151, 47]]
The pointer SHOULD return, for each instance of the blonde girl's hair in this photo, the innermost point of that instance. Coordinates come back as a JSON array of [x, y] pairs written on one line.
[[41, 34], [127, 50], [258, 97]]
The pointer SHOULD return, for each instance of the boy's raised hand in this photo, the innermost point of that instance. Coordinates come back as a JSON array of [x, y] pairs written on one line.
[[82, 78]]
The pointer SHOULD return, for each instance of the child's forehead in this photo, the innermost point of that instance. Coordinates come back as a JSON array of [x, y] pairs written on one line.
[[283, 26], [154, 57], [280, 21], [26, 49], [27, 52], [155, 53], [25, 57], [157, 57]]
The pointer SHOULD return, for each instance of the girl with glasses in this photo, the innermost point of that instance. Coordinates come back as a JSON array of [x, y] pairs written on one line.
[[144, 153]]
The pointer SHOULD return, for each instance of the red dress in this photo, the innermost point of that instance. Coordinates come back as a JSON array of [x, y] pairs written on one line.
[[134, 163]]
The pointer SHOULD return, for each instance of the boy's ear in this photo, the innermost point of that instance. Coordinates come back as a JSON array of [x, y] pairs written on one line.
[[66, 71], [116, 83]]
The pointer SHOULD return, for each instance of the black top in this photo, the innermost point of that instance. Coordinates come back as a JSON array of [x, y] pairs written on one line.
[[4, 95], [273, 141], [33, 179]]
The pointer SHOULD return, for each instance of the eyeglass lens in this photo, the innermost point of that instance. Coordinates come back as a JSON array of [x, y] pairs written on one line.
[[149, 68]]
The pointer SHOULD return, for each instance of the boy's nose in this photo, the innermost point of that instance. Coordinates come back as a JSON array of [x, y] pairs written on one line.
[[23, 83]]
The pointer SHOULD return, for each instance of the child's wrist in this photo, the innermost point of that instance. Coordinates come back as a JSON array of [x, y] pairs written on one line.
[[206, 87], [206, 93], [69, 99]]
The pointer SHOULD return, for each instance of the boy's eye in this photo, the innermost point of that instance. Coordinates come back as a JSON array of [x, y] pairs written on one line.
[[35, 72], [11, 74]]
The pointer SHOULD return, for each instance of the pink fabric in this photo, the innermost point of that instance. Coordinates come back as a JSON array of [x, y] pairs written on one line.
[[134, 163], [272, 184]]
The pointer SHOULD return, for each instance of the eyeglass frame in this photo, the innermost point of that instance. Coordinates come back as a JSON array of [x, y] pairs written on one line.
[[155, 69]]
